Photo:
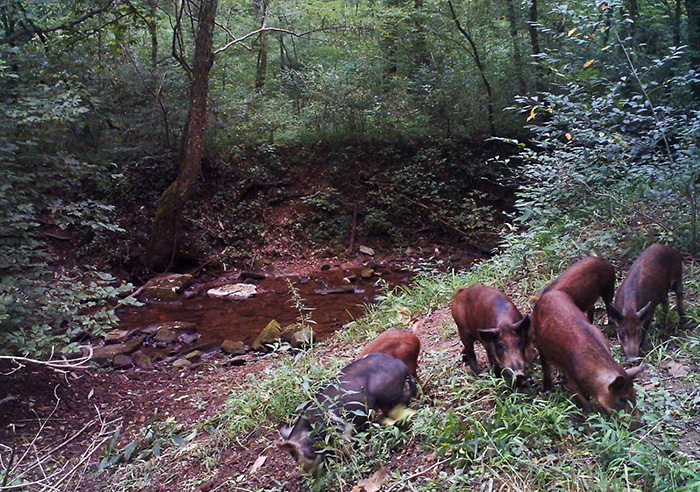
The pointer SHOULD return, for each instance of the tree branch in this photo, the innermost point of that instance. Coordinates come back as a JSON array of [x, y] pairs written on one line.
[[64, 26]]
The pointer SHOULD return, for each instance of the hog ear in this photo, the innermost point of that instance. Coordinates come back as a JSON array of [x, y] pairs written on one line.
[[633, 372], [488, 334], [523, 325], [643, 311], [286, 446], [614, 314], [618, 385]]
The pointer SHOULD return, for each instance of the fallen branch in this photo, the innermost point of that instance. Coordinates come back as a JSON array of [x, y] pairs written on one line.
[[60, 365]]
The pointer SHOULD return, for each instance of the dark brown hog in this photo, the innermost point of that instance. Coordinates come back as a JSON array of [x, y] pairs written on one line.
[[401, 344], [585, 281], [375, 382], [657, 270], [486, 314], [568, 342]]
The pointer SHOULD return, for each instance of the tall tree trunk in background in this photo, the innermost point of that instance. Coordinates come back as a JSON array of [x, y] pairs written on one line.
[[692, 8], [677, 16], [260, 8], [517, 57], [479, 65], [535, 44], [162, 243]]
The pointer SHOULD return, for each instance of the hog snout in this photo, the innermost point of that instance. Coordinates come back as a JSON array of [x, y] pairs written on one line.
[[512, 375]]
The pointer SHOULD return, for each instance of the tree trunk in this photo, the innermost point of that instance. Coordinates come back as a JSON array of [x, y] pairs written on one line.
[[692, 8], [535, 44], [162, 243], [517, 56], [479, 66]]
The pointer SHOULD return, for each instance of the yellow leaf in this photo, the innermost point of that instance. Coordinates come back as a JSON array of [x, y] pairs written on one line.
[[569, 136], [588, 63], [533, 113], [571, 32]]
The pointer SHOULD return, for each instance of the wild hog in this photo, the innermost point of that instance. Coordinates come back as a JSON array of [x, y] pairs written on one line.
[[401, 344], [374, 382], [585, 281], [657, 270], [486, 314], [568, 342]]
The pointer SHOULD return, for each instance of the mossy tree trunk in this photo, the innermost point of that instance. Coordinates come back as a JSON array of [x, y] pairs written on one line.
[[162, 243]]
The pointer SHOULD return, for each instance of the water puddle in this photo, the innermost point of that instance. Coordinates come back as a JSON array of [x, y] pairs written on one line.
[[331, 299]]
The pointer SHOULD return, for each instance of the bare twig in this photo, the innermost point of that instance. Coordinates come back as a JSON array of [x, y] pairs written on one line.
[[61, 365]]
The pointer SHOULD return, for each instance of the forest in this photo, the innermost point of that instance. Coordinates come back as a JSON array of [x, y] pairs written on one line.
[[201, 137]]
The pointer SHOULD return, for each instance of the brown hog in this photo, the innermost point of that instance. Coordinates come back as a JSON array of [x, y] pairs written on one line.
[[400, 344], [568, 342], [585, 281], [486, 314], [657, 270]]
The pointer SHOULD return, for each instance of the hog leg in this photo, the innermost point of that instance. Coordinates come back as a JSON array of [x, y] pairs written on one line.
[[546, 373], [469, 356], [677, 287]]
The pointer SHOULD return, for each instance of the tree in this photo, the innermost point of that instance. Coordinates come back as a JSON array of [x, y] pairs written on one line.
[[164, 233]]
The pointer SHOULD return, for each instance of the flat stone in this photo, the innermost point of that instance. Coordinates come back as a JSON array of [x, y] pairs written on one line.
[[367, 250], [165, 336], [122, 361], [194, 356], [233, 291], [341, 289], [367, 273], [253, 275], [142, 360], [179, 363], [116, 336], [188, 338], [231, 347], [165, 288], [105, 355]]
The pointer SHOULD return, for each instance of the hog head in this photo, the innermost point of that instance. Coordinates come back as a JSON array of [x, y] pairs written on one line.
[[618, 393], [505, 347], [630, 328], [297, 440]]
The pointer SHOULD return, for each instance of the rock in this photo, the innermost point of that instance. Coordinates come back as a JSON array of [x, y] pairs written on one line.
[[169, 325], [325, 267], [207, 347], [270, 334], [194, 356], [116, 336], [341, 289], [367, 273], [366, 250], [142, 361], [105, 355], [165, 336], [180, 363], [233, 348], [302, 338], [253, 275], [122, 361], [165, 288], [233, 291], [188, 338]]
